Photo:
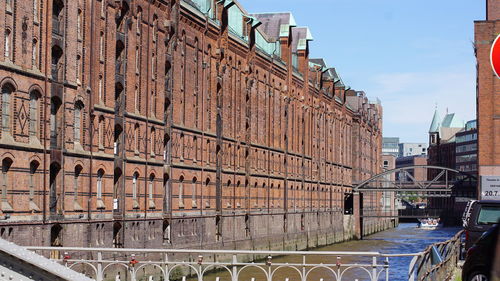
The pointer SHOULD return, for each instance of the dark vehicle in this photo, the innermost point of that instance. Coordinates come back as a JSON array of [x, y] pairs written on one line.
[[479, 216], [480, 256]]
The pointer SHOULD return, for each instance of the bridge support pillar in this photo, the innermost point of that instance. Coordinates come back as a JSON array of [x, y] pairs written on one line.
[[358, 224]]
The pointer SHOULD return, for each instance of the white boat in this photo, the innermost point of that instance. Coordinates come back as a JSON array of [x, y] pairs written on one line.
[[429, 223]]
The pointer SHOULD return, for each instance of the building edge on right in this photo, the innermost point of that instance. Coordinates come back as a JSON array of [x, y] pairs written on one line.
[[487, 104]]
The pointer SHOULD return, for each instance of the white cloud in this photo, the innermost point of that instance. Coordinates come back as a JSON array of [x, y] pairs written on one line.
[[409, 99]]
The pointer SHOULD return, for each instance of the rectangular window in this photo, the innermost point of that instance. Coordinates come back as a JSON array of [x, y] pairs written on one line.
[[34, 54], [101, 46], [33, 115], [35, 11], [7, 44], [103, 8], [8, 5], [77, 123], [6, 110], [99, 187]]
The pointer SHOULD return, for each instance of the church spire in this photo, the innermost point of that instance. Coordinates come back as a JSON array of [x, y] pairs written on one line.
[[436, 122]]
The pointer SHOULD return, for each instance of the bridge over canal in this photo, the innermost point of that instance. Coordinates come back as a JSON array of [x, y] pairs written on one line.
[[384, 195]]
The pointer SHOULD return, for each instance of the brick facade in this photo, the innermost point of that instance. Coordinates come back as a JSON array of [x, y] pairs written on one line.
[[148, 123], [488, 87]]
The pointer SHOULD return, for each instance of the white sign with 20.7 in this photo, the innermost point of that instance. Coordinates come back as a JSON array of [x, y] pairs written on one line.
[[490, 187]]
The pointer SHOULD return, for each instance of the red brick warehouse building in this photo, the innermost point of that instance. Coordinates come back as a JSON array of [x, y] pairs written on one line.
[[487, 89], [174, 124]]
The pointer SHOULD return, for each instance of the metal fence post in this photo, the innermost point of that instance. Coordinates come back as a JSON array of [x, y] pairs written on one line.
[[100, 273], [374, 269], [386, 269], [304, 268], [235, 269]]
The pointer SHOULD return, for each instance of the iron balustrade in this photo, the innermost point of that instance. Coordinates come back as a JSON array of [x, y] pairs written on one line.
[[198, 263], [180, 264], [438, 261]]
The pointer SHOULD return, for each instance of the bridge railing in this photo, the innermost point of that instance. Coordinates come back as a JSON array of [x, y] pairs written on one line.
[[174, 264], [438, 261], [435, 263]]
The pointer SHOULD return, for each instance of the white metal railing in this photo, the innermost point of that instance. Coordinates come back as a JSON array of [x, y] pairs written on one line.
[[175, 264], [183, 264]]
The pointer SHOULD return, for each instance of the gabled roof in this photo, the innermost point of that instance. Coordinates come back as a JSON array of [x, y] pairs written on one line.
[[300, 36], [336, 77], [321, 62], [276, 24]]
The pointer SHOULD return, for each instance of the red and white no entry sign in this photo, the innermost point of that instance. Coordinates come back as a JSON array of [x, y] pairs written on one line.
[[495, 56]]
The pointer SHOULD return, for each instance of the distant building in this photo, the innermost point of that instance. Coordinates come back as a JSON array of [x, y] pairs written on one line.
[[419, 174], [390, 146], [442, 132], [388, 198], [446, 138], [466, 148], [411, 149]]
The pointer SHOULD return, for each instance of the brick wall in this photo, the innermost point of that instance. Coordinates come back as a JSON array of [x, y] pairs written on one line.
[[152, 120]]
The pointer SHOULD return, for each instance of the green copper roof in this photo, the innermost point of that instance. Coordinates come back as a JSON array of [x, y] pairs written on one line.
[[435, 124], [451, 121], [235, 16]]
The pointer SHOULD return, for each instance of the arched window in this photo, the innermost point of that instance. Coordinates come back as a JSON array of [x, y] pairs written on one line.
[[118, 139], [33, 183], [151, 190], [78, 121], [79, 24], [100, 187], [135, 178], [166, 232], [33, 119], [76, 186], [207, 188], [194, 204], [168, 67], [120, 57], [57, 16], [57, 66], [238, 194], [153, 103], [101, 46], [139, 20], [155, 28], [136, 139], [101, 132], [7, 44], [181, 192], [78, 68], [182, 147], [103, 8], [137, 60], [8, 5], [264, 196], [7, 91], [136, 99], [34, 54], [100, 89], [121, 15], [153, 141], [228, 204], [153, 66], [5, 205]]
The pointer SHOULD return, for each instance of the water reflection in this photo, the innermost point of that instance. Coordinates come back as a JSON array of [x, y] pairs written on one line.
[[406, 238]]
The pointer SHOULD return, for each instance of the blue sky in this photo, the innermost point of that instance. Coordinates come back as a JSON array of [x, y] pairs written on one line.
[[411, 54]]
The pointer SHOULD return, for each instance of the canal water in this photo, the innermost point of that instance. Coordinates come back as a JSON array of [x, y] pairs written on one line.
[[406, 238]]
